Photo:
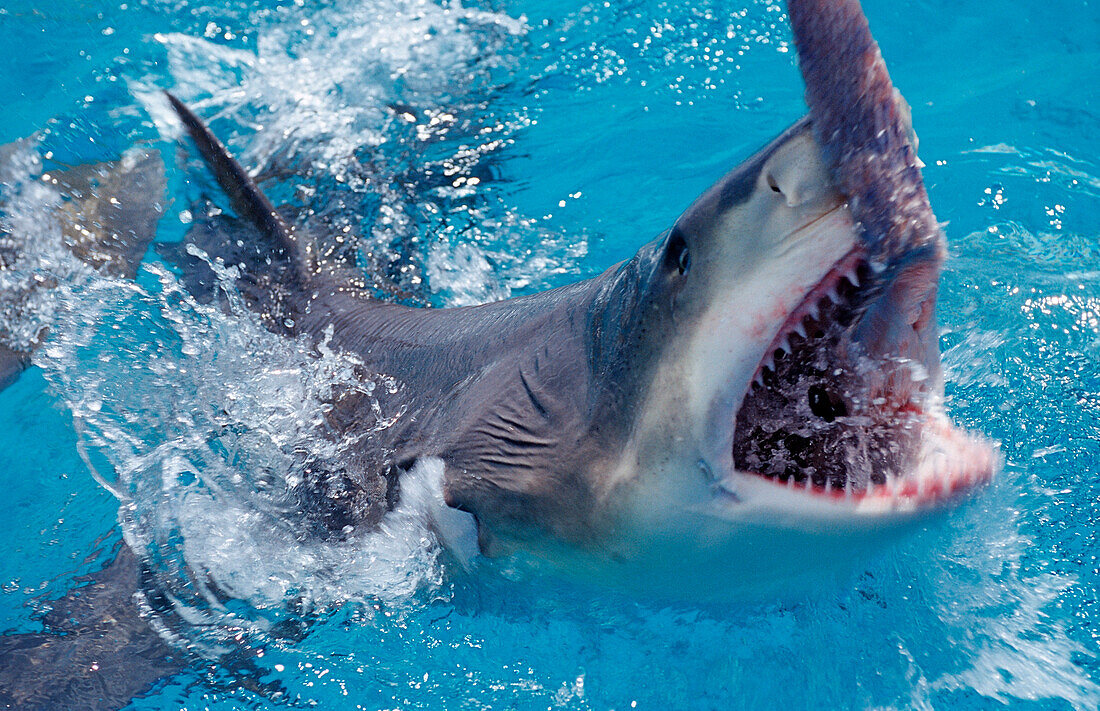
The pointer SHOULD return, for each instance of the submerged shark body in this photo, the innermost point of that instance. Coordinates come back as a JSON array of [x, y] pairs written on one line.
[[754, 395]]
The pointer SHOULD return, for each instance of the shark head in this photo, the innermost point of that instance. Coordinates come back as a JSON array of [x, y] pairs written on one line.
[[778, 348]]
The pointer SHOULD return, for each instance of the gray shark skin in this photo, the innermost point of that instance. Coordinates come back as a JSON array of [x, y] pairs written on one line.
[[754, 398]]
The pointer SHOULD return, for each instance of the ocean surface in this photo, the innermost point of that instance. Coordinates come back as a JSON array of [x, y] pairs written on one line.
[[496, 149]]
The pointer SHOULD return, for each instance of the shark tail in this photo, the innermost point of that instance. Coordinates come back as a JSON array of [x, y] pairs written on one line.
[[107, 213]]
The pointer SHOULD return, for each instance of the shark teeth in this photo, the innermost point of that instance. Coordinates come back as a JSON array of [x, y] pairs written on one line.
[[803, 320], [952, 463], [811, 328]]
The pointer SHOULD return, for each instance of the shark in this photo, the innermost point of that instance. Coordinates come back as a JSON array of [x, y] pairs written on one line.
[[751, 400]]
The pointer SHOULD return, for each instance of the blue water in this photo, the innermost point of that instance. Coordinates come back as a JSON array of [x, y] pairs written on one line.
[[588, 127]]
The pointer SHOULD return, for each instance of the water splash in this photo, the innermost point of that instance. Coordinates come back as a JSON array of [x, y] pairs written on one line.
[[374, 119], [28, 210], [207, 427]]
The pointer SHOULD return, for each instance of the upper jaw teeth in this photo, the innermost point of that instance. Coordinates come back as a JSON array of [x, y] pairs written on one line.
[[827, 291]]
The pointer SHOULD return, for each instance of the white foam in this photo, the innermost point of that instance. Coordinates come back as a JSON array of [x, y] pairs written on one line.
[[317, 84], [422, 494]]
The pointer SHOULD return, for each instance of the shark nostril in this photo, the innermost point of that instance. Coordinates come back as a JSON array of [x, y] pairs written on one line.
[[773, 184]]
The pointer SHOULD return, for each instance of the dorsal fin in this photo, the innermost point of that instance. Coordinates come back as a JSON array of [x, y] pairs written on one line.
[[246, 198]]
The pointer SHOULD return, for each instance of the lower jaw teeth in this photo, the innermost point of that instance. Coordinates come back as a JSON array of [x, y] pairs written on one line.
[[831, 484]]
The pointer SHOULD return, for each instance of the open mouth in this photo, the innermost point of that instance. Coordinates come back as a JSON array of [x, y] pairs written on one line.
[[837, 416]]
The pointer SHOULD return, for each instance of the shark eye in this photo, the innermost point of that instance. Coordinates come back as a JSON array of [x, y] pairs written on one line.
[[677, 256], [685, 260]]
